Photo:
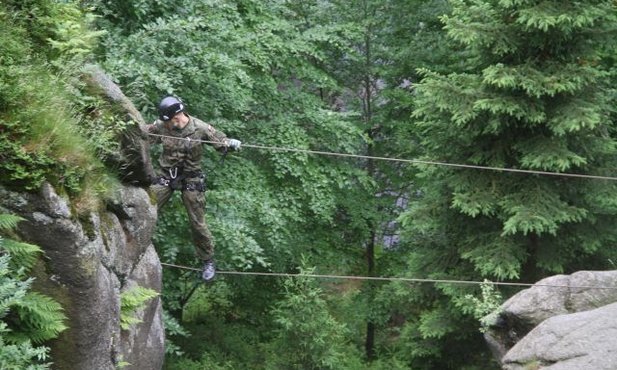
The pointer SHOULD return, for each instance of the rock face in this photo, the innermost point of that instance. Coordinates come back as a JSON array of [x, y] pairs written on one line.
[[88, 264], [564, 322], [583, 340], [133, 152], [91, 260]]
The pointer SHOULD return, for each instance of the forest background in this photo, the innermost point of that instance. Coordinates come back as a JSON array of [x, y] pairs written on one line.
[[502, 84]]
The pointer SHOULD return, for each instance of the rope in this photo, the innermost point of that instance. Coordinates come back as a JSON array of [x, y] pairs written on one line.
[[377, 278], [412, 161]]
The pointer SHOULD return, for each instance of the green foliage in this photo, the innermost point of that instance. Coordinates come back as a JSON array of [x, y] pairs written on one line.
[[486, 308], [264, 208], [308, 336], [73, 35], [38, 317], [32, 316], [12, 290], [8, 221], [522, 98], [206, 362], [518, 84], [223, 332], [25, 317], [173, 328], [228, 72], [526, 99], [41, 134], [122, 364], [131, 301], [54, 27], [23, 255], [23, 355]]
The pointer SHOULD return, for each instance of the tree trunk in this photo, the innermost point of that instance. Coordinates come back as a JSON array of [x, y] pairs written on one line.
[[370, 325]]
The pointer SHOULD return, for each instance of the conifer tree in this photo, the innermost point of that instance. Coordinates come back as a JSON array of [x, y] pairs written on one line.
[[307, 335], [534, 95]]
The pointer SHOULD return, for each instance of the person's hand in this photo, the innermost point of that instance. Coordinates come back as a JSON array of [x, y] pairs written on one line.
[[234, 144]]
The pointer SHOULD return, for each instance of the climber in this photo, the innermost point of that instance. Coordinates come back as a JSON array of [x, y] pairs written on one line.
[[182, 137]]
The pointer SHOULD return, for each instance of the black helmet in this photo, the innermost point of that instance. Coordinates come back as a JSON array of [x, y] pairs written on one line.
[[169, 107]]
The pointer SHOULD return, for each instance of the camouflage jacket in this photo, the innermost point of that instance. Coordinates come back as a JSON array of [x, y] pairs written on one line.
[[182, 149]]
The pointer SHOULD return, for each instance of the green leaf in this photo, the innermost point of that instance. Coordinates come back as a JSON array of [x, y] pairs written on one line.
[[539, 212], [436, 323], [131, 301]]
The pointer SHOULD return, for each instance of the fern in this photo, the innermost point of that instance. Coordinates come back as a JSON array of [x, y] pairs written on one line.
[[16, 349], [38, 317], [23, 255], [8, 222], [29, 317], [132, 300], [22, 355], [11, 289]]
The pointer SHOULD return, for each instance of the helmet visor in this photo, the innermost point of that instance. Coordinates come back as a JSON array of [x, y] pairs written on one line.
[[169, 112]]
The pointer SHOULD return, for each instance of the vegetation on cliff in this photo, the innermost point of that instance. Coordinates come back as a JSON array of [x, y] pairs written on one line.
[[27, 318]]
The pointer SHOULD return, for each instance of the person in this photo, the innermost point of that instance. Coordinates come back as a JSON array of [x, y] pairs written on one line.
[[182, 137]]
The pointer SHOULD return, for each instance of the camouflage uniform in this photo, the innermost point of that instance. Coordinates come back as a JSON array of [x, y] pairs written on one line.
[[180, 170]]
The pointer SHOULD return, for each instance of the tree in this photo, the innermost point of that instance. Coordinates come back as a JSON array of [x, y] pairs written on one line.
[[533, 96], [329, 76], [389, 40], [248, 68], [308, 337], [255, 70]]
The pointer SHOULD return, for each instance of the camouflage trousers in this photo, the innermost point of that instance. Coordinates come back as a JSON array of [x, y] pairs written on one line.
[[195, 205]]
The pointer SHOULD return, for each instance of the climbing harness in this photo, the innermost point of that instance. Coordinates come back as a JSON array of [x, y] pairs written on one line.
[[185, 181]]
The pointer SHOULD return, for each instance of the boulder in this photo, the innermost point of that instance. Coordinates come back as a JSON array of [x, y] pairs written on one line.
[[92, 257], [578, 341], [133, 152], [551, 298], [88, 262]]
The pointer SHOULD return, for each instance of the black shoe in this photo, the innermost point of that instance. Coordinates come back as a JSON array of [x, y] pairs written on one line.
[[209, 271]]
